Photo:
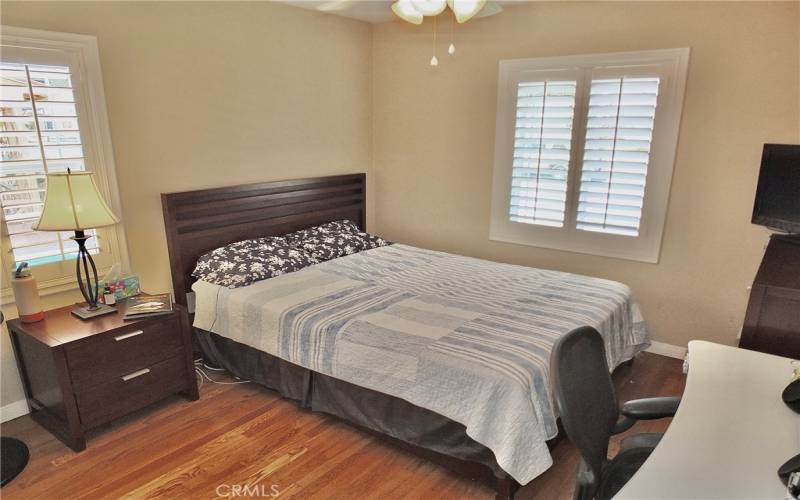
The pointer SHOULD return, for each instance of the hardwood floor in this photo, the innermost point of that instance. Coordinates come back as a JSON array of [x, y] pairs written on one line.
[[245, 435]]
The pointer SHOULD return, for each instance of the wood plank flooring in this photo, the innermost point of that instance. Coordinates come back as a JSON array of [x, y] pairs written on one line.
[[247, 436]]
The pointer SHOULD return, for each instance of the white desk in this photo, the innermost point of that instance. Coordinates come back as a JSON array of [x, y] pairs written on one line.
[[731, 433]]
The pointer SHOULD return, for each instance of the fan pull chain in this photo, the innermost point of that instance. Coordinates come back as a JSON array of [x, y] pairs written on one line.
[[434, 59], [452, 48]]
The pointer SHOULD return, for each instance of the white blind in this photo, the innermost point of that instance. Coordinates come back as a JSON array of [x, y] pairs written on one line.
[[542, 141], [619, 131], [39, 133]]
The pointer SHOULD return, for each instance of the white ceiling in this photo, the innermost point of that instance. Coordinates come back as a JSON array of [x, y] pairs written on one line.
[[371, 11]]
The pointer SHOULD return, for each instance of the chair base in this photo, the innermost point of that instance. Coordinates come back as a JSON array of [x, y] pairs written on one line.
[[14, 457]]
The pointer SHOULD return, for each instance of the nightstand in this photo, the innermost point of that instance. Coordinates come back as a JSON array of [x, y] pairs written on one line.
[[80, 374]]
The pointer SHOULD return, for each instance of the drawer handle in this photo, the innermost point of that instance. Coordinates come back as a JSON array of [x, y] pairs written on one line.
[[136, 374], [128, 335]]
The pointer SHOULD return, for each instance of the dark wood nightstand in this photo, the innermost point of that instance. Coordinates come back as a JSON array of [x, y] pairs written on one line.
[[80, 374]]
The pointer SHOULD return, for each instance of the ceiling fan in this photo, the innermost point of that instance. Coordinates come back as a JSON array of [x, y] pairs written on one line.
[[414, 12]]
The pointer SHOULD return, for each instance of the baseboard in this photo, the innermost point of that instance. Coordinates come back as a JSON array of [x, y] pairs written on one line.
[[669, 350], [14, 410]]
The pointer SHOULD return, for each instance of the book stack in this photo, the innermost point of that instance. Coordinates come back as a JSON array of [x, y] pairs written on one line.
[[145, 306]]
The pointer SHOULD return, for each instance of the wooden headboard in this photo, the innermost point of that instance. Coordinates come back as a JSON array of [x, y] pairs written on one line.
[[199, 221]]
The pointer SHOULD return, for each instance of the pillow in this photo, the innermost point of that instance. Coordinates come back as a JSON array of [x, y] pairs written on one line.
[[245, 262], [327, 247], [371, 241], [334, 228]]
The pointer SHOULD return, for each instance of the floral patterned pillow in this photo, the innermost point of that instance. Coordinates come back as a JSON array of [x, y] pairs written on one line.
[[371, 241], [245, 262], [329, 247], [328, 229]]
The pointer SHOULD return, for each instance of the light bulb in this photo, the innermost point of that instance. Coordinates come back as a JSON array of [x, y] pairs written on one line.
[[429, 7], [434, 61], [451, 49], [406, 11], [465, 9]]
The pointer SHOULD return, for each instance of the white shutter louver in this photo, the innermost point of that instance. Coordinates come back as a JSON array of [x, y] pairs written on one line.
[[542, 140], [619, 131], [39, 133]]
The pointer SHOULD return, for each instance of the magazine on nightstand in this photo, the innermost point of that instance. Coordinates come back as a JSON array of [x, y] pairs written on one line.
[[145, 306]]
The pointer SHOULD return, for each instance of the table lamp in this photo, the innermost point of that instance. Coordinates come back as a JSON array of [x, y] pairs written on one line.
[[73, 203]]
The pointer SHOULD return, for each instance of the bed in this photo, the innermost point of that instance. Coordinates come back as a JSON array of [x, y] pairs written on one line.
[[445, 353]]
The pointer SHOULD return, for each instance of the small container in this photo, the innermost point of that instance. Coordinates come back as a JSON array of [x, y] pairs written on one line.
[[109, 298], [26, 295]]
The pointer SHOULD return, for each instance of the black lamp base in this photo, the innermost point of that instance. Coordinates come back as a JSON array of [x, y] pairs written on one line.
[[14, 457], [89, 312], [88, 286]]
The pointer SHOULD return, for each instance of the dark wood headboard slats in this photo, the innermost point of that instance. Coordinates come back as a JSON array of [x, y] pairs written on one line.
[[245, 190], [262, 201], [199, 221], [233, 217]]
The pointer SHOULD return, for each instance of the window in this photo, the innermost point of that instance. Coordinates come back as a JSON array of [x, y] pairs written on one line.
[[584, 151], [52, 118], [36, 140]]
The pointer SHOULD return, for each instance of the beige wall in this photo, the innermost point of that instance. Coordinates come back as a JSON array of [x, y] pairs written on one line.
[[434, 141], [211, 94]]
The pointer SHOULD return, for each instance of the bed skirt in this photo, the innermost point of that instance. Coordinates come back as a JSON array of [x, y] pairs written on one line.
[[375, 411]]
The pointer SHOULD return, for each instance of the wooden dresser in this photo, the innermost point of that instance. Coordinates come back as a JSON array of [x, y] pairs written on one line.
[[81, 374], [772, 320]]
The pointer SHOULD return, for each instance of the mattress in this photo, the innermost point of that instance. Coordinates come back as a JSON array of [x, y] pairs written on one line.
[[465, 338]]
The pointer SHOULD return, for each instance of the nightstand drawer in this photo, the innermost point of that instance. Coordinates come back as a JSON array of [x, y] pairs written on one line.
[[101, 358], [130, 391]]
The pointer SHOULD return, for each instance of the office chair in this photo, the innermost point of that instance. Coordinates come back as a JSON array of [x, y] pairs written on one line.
[[587, 404]]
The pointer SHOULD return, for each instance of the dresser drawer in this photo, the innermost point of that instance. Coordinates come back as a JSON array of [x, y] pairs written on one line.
[[131, 391], [103, 357]]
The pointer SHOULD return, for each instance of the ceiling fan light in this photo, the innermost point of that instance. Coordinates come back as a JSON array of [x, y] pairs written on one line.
[[490, 9], [465, 9], [429, 7], [406, 11]]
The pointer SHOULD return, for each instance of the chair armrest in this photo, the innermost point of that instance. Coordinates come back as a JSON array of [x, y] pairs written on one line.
[[623, 424], [651, 408]]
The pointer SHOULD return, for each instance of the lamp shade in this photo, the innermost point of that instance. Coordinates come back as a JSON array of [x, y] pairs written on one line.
[[73, 203]]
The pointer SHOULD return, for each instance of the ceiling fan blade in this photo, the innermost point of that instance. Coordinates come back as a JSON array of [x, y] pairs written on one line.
[[334, 5], [490, 9]]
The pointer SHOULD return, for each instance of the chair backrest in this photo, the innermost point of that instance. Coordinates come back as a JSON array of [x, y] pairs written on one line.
[[584, 395]]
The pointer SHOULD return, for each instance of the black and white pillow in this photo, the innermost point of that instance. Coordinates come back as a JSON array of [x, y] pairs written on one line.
[[329, 247], [371, 241], [326, 230], [245, 262]]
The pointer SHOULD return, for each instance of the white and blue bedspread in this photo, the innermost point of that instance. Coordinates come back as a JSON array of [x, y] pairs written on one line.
[[466, 338]]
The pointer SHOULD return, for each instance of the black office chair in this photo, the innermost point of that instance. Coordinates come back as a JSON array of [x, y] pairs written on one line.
[[587, 404]]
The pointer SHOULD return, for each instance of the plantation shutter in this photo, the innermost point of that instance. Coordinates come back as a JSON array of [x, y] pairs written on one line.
[[619, 133], [39, 134], [542, 142]]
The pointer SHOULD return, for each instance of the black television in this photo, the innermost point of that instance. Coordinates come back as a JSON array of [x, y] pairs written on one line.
[[777, 204]]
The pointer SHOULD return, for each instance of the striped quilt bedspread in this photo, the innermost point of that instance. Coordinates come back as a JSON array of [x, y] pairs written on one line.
[[466, 338]]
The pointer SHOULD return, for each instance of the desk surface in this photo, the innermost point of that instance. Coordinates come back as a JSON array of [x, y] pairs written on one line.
[[731, 432]]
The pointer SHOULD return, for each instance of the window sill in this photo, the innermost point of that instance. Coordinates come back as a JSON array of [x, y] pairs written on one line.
[[647, 256], [47, 288]]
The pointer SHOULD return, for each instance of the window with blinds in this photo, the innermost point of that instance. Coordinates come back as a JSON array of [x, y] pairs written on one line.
[[616, 152], [39, 133], [542, 141], [584, 151]]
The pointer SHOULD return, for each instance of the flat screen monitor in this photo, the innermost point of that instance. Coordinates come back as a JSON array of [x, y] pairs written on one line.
[[777, 204]]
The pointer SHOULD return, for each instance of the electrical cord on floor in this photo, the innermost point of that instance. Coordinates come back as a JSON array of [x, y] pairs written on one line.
[[200, 366]]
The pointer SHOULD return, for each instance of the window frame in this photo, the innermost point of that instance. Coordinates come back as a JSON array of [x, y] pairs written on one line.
[[672, 67], [81, 53]]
